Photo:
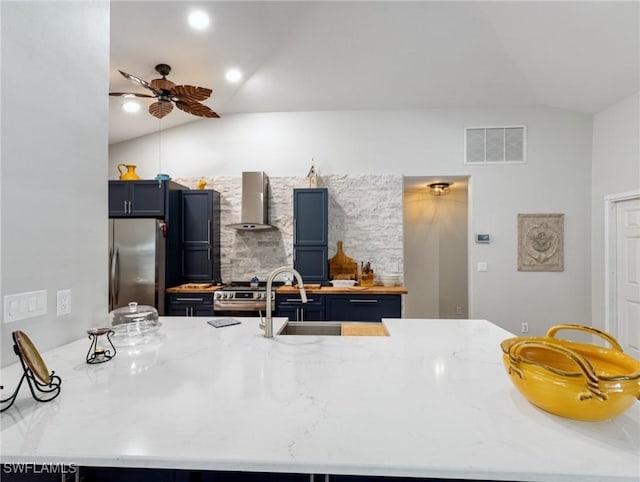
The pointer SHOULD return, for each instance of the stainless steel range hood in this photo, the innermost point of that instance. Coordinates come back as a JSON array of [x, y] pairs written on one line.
[[255, 203]]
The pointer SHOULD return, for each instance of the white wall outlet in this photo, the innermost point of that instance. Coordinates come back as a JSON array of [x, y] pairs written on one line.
[[483, 266], [458, 310], [63, 305], [524, 328], [25, 305]]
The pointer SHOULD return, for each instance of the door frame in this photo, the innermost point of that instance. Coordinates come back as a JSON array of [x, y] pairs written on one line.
[[610, 256]]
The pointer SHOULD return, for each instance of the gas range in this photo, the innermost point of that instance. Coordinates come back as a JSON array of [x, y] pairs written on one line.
[[243, 297]]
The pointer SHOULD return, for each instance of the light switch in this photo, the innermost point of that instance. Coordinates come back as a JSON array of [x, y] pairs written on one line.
[[25, 305], [482, 266]]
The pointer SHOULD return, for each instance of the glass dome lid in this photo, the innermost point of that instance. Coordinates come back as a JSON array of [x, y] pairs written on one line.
[[134, 313]]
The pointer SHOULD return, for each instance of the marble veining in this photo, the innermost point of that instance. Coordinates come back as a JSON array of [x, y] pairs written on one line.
[[430, 400]]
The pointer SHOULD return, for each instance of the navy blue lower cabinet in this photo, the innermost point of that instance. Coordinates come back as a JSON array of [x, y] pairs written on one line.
[[292, 307], [362, 307], [190, 304]]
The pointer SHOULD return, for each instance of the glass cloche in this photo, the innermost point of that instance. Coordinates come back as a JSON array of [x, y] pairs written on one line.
[[134, 324]]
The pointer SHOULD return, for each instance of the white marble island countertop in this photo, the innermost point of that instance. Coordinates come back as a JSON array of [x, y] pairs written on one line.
[[430, 400]]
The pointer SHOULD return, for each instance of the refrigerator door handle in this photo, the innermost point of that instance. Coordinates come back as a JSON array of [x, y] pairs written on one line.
[[110, 279], [115, 277]]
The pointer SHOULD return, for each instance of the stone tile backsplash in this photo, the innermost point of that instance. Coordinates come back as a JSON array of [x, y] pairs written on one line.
[[365, 212]]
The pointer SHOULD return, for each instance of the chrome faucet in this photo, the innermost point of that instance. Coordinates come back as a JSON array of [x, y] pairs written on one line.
[[267, 325]]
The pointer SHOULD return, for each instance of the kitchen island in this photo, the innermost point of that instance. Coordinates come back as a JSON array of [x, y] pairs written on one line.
[[431, 400]]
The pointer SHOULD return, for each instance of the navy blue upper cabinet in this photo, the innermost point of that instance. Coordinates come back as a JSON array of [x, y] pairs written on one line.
[[311, 216], [137, 198], [200, 236], [311, 234]]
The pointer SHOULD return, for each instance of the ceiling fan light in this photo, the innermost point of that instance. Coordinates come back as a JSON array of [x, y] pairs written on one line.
[[131, 107], [233, 75], [198, 20]]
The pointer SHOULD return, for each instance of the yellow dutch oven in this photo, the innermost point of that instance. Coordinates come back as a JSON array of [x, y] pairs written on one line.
[[575, 380]]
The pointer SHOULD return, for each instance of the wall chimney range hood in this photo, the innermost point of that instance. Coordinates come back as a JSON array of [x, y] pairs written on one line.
[[255, 202]]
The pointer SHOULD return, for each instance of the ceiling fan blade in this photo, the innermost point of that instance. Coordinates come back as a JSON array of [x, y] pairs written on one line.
[[195, 108], [160, 109], [191, 92], [141, 82], [162, 84], [131, 94]]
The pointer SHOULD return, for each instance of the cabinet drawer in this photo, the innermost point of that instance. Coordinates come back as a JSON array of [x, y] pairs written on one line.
[[190, 298], [362, 307]]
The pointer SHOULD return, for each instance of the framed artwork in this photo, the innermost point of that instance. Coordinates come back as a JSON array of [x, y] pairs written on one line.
[[540, 242]]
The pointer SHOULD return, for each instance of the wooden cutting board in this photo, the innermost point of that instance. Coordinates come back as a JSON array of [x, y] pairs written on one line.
[[342, 266], [363, 329]]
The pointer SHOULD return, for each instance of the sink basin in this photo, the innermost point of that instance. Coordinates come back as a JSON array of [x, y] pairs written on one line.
[[312, 328], [333, 328]]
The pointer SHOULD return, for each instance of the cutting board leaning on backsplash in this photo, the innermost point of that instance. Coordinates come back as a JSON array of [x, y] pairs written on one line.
[[342, 266]]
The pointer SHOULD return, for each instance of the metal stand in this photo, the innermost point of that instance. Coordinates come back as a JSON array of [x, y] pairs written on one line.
[[42, 392], [101, 354]]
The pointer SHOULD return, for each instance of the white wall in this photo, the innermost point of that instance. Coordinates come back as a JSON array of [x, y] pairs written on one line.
[[557, 178], [54, 163], [616, 169]]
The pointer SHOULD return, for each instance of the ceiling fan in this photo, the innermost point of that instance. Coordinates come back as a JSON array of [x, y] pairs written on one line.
[[186, 97]]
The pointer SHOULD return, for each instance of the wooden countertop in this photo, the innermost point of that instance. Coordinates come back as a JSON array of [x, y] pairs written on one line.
[[194, 288], [364, 290], [314, 289]]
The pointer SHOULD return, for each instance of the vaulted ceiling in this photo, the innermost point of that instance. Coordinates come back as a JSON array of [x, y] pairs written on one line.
[[318, 55]]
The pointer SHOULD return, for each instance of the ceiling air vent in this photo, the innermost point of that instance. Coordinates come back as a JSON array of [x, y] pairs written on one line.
[[495, 145]]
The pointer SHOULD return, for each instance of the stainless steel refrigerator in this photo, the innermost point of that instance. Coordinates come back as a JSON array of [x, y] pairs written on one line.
[[136, 263]]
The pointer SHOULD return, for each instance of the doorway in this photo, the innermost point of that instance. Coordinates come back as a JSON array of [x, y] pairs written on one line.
[[622, 265], [436, 248]]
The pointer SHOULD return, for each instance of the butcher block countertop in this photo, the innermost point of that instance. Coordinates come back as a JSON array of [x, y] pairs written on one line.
[[432, 399], [312, 289], [194, 288], [330, 290]]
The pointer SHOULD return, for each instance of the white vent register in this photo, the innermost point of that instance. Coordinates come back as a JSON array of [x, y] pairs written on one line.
[[495, 145]]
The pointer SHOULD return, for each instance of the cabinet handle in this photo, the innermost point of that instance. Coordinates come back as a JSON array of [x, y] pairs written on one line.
[[189, 299], [186, 311], [363, 301], [301, 314], [129, 202], [159, 184], [124, 208], [299, 300], [209, 231], [209, 254]]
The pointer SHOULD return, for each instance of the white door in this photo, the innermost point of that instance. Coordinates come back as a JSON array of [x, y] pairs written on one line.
[[628, 275]]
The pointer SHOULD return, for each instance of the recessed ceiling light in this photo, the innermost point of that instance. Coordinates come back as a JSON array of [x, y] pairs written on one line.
[[233, 75], [198, 20], [131, 107]]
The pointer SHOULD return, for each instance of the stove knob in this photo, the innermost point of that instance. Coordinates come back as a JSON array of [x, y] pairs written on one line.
[[228, 296], [216, 296]]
